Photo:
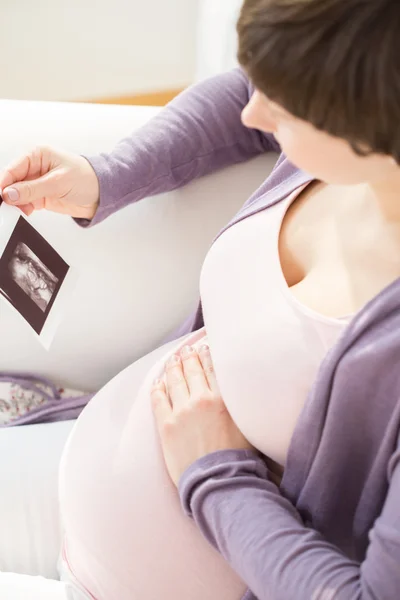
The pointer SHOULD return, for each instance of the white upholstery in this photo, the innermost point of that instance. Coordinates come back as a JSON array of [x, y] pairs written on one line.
[[139, 269], [31, 531]]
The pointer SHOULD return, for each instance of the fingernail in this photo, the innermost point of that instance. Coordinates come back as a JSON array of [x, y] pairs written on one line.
[[12, 195], [186, 350], [204, 348], [174, 359], [156, 382]]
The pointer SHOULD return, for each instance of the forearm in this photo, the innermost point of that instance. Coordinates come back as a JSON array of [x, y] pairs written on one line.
[[261, 534], [197, 133]]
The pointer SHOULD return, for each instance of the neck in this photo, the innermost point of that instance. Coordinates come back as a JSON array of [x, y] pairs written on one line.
[[386, 196]]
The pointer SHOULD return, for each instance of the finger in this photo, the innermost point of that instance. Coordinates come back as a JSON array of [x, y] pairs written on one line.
[[208, 367], [31, 165], [160, 402], [31, 191], [177, 388], [28, 209], [194, 373], [16, 171]]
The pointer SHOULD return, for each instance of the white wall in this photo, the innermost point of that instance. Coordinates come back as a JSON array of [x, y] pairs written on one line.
[[83, 49], [216, 37]]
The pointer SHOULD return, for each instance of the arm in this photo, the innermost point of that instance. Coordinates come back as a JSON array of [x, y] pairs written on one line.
[[197, 133], [262, 536]]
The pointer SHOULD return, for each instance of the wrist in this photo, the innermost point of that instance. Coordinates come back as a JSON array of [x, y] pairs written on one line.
[[92, 187], [91, 210]]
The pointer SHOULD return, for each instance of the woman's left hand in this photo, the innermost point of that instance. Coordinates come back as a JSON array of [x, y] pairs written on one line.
[[191, 416]]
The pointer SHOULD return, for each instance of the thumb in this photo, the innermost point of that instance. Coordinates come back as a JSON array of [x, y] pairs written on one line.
[[29, 192]]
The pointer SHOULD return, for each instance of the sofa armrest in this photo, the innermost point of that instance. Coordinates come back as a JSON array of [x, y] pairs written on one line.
[[138, 270]]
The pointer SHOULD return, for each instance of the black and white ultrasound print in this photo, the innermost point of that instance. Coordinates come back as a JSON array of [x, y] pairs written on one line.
[[32, 272]]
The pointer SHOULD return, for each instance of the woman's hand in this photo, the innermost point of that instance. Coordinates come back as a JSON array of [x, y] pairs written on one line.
[[191, 416], [58, 181]]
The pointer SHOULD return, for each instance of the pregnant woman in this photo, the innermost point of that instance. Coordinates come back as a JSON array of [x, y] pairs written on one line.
[[255, 454]]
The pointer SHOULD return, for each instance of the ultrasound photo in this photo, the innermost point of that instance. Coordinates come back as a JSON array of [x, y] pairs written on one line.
[[28, 271], [31, 274]]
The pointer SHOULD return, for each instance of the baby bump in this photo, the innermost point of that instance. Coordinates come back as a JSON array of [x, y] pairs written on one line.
[[126, 534]]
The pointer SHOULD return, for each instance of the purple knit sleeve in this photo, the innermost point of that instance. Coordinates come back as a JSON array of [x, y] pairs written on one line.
[[197, 133], [262, 536]]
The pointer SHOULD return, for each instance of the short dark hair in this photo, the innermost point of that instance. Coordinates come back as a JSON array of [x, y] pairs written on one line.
[[333, 63]]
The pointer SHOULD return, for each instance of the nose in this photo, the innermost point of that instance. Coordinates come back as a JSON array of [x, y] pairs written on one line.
[[256, 114]]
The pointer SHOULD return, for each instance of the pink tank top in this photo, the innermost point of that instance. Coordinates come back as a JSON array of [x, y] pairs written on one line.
[[267, 363], [120, 511]]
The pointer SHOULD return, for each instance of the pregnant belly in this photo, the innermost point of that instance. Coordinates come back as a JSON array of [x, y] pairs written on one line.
[[126, 536]]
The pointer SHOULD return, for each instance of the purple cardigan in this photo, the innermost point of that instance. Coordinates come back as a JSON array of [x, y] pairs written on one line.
[[332, 530]]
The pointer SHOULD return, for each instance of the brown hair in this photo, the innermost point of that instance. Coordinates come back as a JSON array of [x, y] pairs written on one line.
[[333, 63]]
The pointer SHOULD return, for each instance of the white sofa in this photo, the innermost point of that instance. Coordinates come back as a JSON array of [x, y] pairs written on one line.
[[138, 279]]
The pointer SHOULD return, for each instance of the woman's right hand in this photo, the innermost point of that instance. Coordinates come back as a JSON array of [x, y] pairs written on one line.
[[57, 181]]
